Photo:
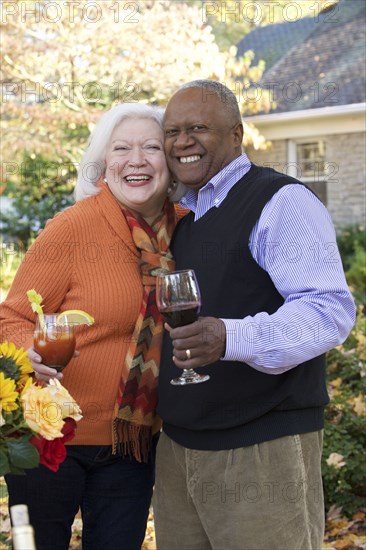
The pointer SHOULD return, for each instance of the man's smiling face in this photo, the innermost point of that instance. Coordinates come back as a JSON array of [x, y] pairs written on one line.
[[200, 136]]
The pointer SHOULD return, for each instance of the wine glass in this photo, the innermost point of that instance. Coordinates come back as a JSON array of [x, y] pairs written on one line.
[[54, 342], [179, 301]]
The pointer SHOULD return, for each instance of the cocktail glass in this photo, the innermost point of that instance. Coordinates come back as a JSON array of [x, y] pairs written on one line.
[[53, 341]]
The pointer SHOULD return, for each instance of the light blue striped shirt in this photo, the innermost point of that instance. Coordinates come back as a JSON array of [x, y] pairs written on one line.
[[295, 242]]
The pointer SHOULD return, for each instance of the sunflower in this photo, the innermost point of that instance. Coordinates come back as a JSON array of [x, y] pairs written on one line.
[[8, 394], [26, 441], [15, 362]]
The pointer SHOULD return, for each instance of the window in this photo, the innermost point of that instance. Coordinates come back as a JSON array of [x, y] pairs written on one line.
[[311, 158], [308, 163]]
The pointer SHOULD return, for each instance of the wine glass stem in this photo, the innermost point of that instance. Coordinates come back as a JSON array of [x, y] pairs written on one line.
[[188, 372]]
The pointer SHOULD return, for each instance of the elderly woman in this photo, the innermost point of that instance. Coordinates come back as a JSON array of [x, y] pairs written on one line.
[[100, 256]]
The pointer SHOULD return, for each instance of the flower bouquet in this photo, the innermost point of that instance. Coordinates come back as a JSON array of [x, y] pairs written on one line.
[[35, 421]]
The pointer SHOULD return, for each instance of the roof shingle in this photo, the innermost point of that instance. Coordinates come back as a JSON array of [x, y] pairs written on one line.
[[314, 63]]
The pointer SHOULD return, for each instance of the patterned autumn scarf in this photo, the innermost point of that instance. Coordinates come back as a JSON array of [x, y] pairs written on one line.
[[138, 391]]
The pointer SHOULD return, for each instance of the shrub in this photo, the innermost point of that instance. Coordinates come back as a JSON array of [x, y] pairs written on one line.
[[349, 239], [43, 188], [352, 246], [356, 274], [344, 457]]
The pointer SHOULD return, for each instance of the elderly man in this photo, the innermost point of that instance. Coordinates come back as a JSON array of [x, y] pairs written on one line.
[[238, 463]]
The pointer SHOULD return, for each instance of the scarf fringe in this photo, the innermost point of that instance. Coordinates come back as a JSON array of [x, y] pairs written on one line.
[[131, 440]]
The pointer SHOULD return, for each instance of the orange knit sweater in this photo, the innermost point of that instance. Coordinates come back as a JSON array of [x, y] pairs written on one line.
[[83, 259]]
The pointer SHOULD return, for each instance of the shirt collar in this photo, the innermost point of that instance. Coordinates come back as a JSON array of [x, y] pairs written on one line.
[[221, 183]]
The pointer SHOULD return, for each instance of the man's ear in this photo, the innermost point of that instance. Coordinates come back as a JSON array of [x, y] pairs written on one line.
[[238, 133]]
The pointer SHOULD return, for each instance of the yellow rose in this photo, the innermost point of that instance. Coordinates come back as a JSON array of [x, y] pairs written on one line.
[[42, 413], [68, 405]]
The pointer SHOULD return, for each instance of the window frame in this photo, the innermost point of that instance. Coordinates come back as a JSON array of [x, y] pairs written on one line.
[[293, 166]]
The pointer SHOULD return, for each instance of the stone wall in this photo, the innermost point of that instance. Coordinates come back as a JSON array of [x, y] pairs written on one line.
[[275, 156], [346, 186]]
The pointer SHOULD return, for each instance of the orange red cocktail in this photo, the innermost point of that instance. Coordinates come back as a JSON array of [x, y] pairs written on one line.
[[54, 342]]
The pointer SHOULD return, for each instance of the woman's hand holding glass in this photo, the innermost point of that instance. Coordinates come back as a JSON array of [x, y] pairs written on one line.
[[42, 372], [54, 346]]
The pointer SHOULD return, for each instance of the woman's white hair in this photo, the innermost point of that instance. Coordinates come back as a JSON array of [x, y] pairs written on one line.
[[93, 164]]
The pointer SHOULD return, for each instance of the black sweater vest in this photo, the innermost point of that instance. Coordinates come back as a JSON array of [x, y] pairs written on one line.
[[239, 405]]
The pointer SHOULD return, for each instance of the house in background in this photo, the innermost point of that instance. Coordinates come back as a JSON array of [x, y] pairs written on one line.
[[315, 71]]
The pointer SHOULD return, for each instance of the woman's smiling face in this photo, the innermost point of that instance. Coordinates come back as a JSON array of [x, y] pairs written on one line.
[[136, 169]]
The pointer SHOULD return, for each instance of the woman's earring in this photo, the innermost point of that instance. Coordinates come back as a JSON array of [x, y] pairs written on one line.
[[105, 180]]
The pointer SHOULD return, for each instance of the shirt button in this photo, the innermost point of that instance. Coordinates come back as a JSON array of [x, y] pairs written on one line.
[[216, 201]]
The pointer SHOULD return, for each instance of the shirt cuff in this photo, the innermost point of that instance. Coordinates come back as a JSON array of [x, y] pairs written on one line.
[[239, 340]]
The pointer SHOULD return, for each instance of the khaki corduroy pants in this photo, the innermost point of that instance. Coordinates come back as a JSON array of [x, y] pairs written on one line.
[[264, 497]]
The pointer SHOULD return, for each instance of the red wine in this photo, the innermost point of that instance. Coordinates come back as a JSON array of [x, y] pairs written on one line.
[[185, 315]]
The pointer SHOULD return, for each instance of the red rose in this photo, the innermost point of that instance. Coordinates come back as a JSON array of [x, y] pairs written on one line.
[[69, 429], [52, 453]]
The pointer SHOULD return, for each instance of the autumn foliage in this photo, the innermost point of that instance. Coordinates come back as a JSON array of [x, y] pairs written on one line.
[[63, 63]]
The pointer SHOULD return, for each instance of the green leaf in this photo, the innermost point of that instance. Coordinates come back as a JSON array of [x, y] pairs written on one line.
[[16, 471], [9, 368], [23, 454], [13, 417], [4, 463]]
